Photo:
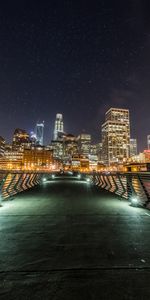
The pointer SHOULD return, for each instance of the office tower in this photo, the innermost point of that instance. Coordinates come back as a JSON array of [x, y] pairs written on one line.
[[57, 147], [59, 127], [133, 147], [20, 139], [96, 150], [70, 146], [39, 133], [93, 149], [84, 144], [2, 146], [148, 142], [116, 136]]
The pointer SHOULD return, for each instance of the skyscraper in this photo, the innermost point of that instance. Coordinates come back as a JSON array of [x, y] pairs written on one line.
[[84, 144], [133, 147], [70, 146], [39, 132], [59, 127], [116, 136]]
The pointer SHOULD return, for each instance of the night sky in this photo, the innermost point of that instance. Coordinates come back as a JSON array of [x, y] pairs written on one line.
[[78, 58]]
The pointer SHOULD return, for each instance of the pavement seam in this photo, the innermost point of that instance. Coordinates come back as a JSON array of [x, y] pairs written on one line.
[[76, 269]]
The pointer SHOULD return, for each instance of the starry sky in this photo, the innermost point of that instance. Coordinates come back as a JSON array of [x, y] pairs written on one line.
[[78, 58]]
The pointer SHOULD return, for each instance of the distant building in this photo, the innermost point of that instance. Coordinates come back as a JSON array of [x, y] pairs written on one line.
[[37, 158], [12, 158], [96, 150], [33, 138], [116, 136], [33, 158], [70, 147], [148, 142], [137, 167], [146, 154], [93, 157], [20, 139], [99, 152], [93, 149], [14, 155], [2, 146], [133, 147], [39, 133], [57, 147], [59, 127], [84, 144]]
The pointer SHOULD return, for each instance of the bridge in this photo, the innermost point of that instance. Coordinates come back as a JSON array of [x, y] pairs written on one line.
[[75, 236]]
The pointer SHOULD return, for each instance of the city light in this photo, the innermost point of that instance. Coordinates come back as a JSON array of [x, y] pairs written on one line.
[[134, 201], [76, 153], [44, 180], [88, 180]]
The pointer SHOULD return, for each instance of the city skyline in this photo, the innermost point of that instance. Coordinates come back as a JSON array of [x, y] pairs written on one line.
[[47, 140], [75, 58]]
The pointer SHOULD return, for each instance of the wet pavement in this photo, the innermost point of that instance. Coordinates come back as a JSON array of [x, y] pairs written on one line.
[[67, 239]]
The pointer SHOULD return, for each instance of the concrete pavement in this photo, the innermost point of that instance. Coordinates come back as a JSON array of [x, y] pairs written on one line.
[[69, 240]]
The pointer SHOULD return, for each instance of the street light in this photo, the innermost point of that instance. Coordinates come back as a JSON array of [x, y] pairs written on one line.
[[88, 180], [134, 201], [44, 179]]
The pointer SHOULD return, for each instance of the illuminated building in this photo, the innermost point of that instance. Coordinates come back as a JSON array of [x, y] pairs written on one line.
[[148, 142], [80, 163], [137, 167], [133, 147], [143, 157], [58, 128], [84, 162], [146, 154], [33, 158], [37, 158], [65, 148], [93, 157], [116, 136], [12, 159], [14, 155], [96, 150], [70, 147], [33, 138], [20, 139], [39, 133], [84, 144], [2, 146], [6, 164], [93, 149], [75, 163], [57, 147], [99, 152]]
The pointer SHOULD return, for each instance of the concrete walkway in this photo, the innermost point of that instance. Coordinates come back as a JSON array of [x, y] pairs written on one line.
[[69, 240]]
